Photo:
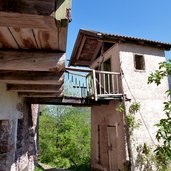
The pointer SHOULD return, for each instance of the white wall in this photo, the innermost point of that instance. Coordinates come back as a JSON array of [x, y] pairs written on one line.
[[11, 109], [150, 96], [10, 104]]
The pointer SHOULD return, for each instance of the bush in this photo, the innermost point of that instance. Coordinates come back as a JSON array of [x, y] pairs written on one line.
[[64, 138]]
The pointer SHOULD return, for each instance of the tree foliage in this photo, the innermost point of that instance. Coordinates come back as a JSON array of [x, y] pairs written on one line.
[[163, 151], [64, 137]]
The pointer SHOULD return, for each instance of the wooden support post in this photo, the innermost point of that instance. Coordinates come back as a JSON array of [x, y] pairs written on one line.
[[100, 83], [113, 83], [95, 87], [108, 78]]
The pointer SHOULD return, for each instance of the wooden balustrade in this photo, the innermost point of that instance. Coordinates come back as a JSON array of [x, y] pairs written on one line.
[[85, 83]]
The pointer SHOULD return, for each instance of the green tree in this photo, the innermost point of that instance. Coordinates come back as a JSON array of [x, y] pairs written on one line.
[[64, 138], [163, 151]]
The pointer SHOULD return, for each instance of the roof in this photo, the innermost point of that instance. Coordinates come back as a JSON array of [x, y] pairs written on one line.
[[88, 45]]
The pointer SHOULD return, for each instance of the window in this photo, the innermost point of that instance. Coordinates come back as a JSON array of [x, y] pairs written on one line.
[[139, 62]]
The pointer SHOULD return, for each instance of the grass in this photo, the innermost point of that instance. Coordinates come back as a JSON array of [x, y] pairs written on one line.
[[38, 169]]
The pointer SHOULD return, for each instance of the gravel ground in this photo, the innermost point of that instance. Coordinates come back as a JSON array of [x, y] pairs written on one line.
[[49, 168]]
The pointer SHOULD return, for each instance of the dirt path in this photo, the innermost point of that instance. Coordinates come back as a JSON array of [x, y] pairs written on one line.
[[49, 168]]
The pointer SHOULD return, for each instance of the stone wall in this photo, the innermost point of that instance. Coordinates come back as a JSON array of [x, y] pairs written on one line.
[[4, 145], [26, 153], [18, 131]]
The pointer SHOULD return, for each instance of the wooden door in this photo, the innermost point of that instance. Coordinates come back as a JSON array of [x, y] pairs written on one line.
[[112, 148]]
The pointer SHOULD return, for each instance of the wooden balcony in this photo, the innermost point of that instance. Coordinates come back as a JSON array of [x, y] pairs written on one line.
[[92, 84]]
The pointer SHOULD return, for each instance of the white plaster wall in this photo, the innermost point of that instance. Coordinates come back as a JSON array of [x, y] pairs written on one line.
[[10, 104], [11, 109], [150, 96]]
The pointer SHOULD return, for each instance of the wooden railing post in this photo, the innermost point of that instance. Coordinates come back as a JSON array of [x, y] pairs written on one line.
[[94, 83]]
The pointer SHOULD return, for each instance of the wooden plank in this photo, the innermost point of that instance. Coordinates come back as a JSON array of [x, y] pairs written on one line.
[[96, 51], [18, 20], [100, 81], [6, 39], [34, 88], [113, 149], [24, 37], [62, 32], [82, 63], [47, 39], [41, 94], [44, 100], [113, 83], [31, 77], [40, 7], [94, 85], [81, 47], [104, 145], [33, 82], [78, 69], [32, 61], [108, 82], [55, 40]]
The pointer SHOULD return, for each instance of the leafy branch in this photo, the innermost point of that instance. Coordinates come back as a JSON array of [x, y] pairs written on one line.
[[163, 136]]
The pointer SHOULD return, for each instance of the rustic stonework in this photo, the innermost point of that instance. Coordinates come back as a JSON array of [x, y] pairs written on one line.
[[4, 135], [18, 131], [26, 144]]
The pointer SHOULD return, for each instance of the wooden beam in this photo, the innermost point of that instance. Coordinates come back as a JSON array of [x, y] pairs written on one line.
[[78, 69], [31, 77], [24, 37], [44, 100], [82, 63], [35, 88], [32, 61], [81, 47], [96, 51], [40, 7], [65, 101], [62, 32], [40, 94], [96, 62], [6, 39], [18, 20]]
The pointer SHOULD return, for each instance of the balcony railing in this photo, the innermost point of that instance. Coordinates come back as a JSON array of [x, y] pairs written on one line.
[[86, 83]]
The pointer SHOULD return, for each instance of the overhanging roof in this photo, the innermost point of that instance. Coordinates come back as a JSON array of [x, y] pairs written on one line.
[[88, 44]]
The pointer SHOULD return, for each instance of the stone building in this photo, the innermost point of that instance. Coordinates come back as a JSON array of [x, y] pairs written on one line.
[[120, 67]]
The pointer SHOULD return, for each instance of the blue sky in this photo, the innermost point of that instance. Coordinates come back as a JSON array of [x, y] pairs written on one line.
[[150, 19]]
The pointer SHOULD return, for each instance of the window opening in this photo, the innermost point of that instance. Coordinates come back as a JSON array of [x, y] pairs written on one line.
[[139, 62]]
